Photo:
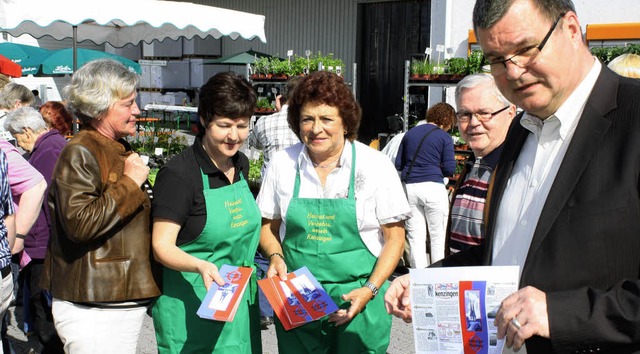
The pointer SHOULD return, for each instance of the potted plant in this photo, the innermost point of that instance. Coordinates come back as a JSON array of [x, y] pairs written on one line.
[[335, 65], [262, 105], [457, 67], [260, 68], [416, 69], [475, 62], [298, 65], [279, 68], [436, 71], [255, 174], [459, 169]]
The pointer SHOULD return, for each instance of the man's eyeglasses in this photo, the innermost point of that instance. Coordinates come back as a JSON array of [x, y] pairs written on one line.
[[524, 57], [464, 117]]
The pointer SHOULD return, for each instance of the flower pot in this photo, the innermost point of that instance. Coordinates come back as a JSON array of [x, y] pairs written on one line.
[[444, 78]]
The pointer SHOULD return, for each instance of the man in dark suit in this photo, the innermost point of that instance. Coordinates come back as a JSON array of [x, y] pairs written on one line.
[[565, 202]]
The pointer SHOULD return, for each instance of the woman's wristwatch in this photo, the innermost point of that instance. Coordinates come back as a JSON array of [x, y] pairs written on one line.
[[374, 289]]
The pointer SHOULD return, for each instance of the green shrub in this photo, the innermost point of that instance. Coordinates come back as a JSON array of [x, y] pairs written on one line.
[[456, 66], [607, 54], [475, 62]]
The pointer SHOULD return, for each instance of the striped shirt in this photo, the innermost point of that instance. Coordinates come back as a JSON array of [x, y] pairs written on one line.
[[466, 217]]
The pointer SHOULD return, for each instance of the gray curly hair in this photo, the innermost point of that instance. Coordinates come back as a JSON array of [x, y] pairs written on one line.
[[97, 86]]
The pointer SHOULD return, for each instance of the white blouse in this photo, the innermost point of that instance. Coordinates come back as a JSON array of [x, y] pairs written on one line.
[[380, 198]]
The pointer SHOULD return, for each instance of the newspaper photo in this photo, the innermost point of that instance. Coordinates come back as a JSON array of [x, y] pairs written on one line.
[[454, 308]]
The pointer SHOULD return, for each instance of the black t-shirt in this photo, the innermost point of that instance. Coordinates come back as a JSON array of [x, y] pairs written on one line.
[[178, 189]]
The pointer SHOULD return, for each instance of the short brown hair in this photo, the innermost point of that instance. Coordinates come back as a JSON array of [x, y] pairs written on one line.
[[323, 87], [441, 114], [226, 95], [57, 116]]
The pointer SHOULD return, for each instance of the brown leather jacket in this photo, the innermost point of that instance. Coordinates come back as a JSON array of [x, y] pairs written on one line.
[[100, 238]]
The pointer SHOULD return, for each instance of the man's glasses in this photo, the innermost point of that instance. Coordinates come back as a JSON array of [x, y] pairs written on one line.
[[524, 57], [464, 117]]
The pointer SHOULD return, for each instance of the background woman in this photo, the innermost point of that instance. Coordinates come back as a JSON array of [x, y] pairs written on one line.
[[331, 175], [44, 146], [13, 96], [97, 267], [57, 117], [195, 233], [424, 158]]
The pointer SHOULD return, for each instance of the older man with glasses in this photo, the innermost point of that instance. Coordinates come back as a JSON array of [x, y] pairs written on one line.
[[483, 117], [565, 203]]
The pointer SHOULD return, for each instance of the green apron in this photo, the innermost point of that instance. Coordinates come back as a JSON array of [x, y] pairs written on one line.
[[230, 236], [323, 235]]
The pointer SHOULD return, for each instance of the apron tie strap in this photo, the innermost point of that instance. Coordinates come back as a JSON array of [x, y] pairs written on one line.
[[253, 283]]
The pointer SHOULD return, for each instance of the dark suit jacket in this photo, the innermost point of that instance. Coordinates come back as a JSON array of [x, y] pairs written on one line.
[[585, 251]]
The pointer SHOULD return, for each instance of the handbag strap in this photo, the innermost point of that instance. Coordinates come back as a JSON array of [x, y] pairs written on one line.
[[415, 154]]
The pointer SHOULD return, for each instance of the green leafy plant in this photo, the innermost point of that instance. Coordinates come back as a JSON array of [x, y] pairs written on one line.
[[459, 167], [263, 103], [330, 62], [298, 65], [153, 173], [607, 54], [456, 66], [278, 66], [416, 67], [261, 65], [166, 139], [255, 168], [475, 62]]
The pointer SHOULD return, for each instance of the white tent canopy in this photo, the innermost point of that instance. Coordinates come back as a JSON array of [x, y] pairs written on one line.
[[120, 22]]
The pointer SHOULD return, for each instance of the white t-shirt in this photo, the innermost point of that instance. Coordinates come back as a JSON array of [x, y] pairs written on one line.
[[380, 198]]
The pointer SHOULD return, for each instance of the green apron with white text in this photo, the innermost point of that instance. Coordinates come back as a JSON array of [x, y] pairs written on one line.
[[323, 235], [230, 236]]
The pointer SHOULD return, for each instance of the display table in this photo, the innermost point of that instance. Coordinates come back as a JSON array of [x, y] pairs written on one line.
[[172, 113], [147, 124]]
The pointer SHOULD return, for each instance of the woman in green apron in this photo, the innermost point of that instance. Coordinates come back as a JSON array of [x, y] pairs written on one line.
[[338, 207], [204, 216]]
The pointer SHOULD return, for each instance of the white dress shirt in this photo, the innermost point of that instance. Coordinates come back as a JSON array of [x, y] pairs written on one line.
[[534, 172], [380, 198]]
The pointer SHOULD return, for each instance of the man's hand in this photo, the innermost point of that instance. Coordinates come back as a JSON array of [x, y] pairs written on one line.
[[397, 299], [522, 315]]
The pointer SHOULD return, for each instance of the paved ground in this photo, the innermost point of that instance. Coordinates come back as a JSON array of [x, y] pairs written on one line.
[[401, 338]]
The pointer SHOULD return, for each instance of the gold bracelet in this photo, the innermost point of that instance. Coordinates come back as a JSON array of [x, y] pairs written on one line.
[[276, 254]]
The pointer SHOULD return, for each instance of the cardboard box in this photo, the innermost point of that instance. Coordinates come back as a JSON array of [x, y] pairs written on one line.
[[130, 51], [174, 75], [165, 49], [200, 74], [198, 46]]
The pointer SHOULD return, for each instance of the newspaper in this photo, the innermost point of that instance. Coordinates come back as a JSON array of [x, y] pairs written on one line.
[[453, 308]]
